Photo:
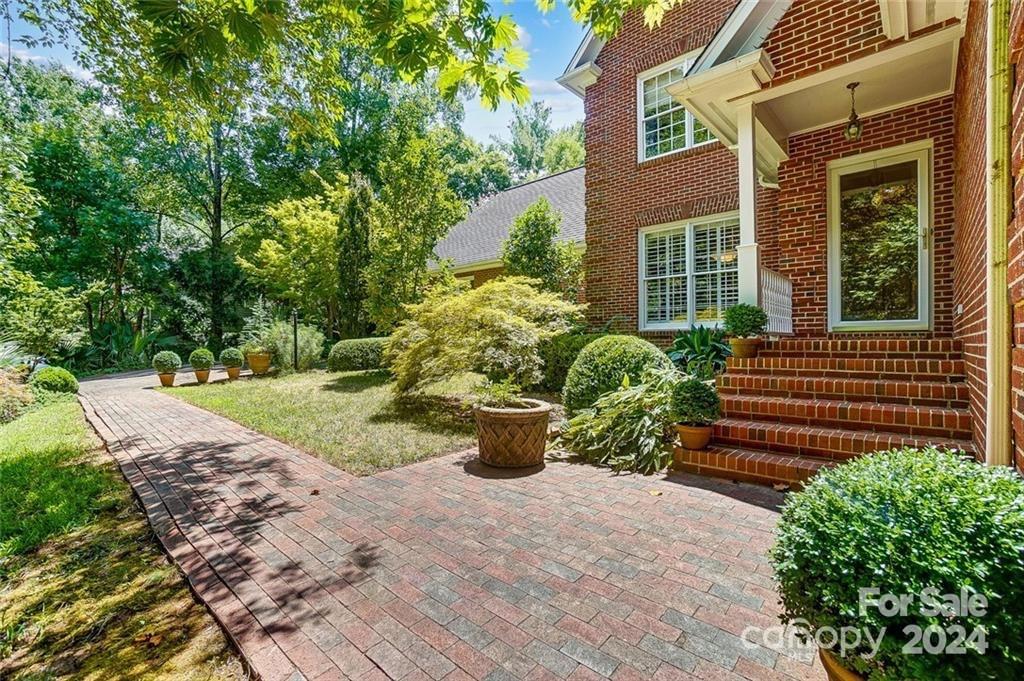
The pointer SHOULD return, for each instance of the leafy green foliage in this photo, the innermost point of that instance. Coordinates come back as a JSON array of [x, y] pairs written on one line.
[[495, 329], [558, 354], [353, 253], [12, 355], [902, 521], [356, 354], [416, 208], [54, 380], [529, 133], [15, 397], [744, 320], [565, 149], [700, 351], [503, 394], [280, 343], [40, 319], [231, 357], [201, 359], [603, 364], [532, 250], [626, 428], [695, 402], [114, 344], [166, 362], [257, 323]]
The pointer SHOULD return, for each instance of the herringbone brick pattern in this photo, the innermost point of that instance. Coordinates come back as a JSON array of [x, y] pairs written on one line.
[[446, 569]]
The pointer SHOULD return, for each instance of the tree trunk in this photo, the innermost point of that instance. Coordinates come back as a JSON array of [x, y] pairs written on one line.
[[215, 168]]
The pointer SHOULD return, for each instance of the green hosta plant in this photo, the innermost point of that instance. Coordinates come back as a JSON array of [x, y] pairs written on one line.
[[626, 429], [700, 351], [900, 523], [695, 403], [201, 359], [166, 362], [745, 321], [231, 357]]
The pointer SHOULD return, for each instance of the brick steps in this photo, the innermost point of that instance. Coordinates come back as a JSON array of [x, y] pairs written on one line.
[[865, 348], [918, 393], [813, 441], [895, 418], [746, 465], [932, 370]]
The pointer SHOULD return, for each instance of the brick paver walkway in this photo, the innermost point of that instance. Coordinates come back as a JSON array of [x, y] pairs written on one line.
[[446, 569]]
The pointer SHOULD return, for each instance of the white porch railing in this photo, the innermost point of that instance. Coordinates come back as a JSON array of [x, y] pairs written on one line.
[[777, 302]]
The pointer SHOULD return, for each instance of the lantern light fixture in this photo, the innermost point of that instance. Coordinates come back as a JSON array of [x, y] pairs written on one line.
[[854, 127]]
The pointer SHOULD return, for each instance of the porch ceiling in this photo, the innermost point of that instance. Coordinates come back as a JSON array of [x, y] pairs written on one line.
[[914, 71]]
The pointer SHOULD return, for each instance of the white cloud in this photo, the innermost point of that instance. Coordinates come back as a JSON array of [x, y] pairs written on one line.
[[26, 55], [523, 39], [545, 87]]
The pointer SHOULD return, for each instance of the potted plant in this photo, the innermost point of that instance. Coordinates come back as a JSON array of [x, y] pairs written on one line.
[[923, 546], [201, 361], [232, 359], [512, 430], [166, 364], [258, 357], [745, 324], [695, 407]]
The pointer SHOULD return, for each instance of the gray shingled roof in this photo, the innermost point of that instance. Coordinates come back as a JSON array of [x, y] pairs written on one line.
[[478, 238]]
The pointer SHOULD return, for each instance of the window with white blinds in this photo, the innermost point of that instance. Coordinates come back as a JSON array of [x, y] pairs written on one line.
[[688, 273], [665, 126]]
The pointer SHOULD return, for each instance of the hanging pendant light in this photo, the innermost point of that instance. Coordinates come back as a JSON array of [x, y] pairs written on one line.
[[854, 127]]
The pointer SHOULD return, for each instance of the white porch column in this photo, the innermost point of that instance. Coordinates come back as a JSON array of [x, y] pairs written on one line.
[[747, 254]]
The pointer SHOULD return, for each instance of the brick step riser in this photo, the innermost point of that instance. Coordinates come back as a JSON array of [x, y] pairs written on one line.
[[895, 366], [868, 417], [946, 395], [927, 377], [813, 354], [734, 471], [945, 346], [834, 446]]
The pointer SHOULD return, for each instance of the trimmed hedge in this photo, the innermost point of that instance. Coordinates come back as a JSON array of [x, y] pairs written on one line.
[[232, 357], [601, 366], [201, 359], [166, 362], [558, 354], [356, 354], [54, 380]]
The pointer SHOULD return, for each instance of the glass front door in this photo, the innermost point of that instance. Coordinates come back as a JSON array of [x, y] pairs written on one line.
[[879, 241]]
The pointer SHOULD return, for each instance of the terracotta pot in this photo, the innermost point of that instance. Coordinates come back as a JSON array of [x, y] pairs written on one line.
[[259, 362], [834, 670], [166, 380], [201, 375], [693, 437], [232, 372], [744, 348], [512, 438]]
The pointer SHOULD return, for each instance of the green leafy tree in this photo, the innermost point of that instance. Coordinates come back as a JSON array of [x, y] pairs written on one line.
[[533, 250], [416, 208], [565, 149], [40, 320], [529, 133], [475, 171], [353, 252]]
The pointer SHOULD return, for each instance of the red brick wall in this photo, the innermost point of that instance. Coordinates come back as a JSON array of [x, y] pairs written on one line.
[[802, 222], [969, 196], [1016, 231], [622, 195]]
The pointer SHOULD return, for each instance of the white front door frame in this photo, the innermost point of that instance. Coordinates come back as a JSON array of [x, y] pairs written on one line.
[[915, 151]]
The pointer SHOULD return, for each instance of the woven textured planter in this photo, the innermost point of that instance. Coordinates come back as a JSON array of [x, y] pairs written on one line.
[[259, 362], [166, 380], [744, 348], [834, 670], [512, 438], [202, 376], [232, 372]]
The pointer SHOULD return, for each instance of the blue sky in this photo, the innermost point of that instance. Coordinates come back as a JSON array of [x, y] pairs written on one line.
[[551, 39]]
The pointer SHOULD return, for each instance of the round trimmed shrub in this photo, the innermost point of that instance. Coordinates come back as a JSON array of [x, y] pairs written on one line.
[[744, 320], [601, 366], [903, 522], [558, 354], [356, 354], [695, 403], [54, 380], [166, 362], [201, 359], [231, 357]]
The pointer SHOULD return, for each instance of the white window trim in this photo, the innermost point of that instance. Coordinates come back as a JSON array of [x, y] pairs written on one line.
[[641, 157], [915, 151], [689, 226]]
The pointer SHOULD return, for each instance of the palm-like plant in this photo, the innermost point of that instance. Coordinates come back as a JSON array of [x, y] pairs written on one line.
[[11, 354]]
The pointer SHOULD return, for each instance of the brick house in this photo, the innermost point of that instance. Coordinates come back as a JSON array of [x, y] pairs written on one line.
[[720, 168]]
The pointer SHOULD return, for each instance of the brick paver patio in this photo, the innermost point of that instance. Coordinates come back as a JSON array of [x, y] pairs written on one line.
[[446, 569]]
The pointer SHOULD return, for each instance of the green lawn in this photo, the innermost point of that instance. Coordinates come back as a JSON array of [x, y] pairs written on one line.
[[351, 420], [85, 591]]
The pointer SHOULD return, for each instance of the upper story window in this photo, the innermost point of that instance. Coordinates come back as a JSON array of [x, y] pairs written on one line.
[[664, 126]]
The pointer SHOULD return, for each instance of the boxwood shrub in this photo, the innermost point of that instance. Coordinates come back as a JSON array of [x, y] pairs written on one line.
[[356, 354], [901, 522], [558, 355], [600, 367], [231, 357], [54, 380], [695, 403], [201, 359], [166, 362]]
